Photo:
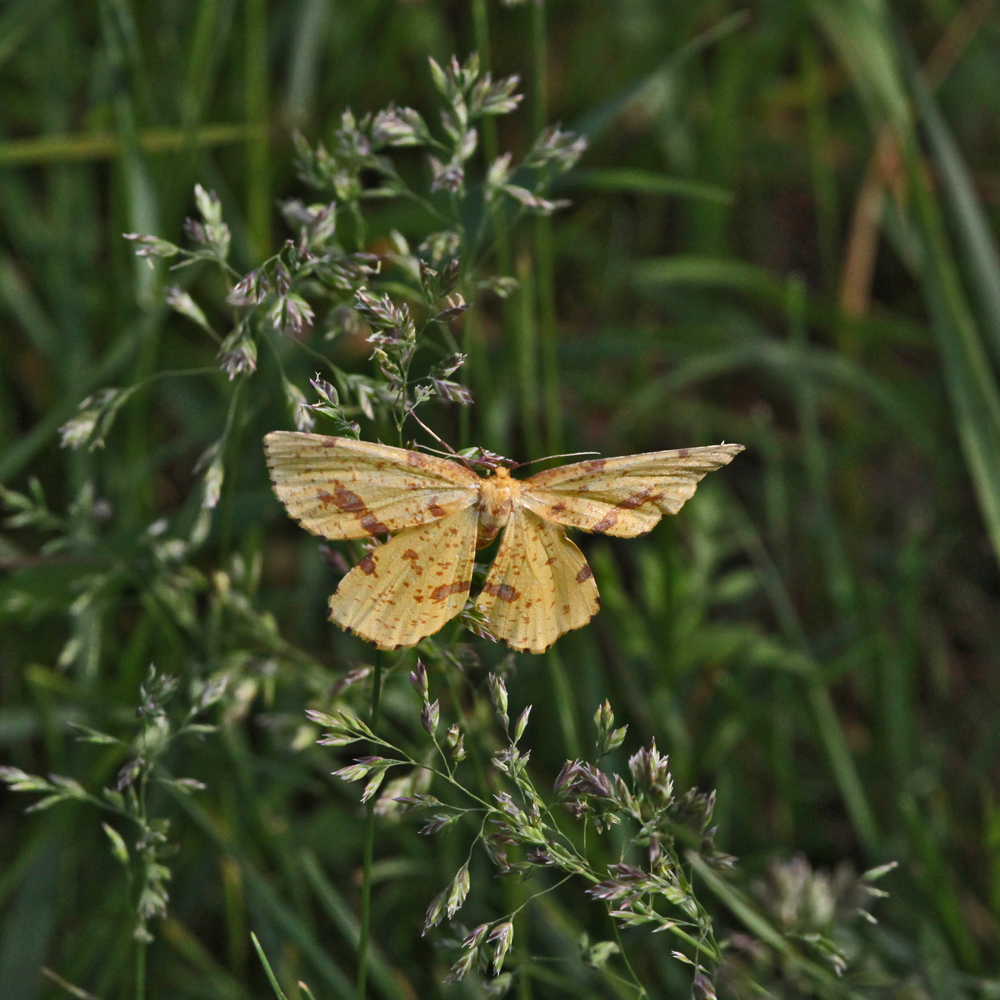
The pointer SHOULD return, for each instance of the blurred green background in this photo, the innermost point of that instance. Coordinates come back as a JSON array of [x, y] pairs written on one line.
[[782, 234]]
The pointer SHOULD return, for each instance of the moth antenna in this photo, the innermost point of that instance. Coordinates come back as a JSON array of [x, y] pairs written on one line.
[[568, 454], [449, 451]]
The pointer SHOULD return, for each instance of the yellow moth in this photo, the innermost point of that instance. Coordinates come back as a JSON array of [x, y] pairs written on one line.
[[439, 512]]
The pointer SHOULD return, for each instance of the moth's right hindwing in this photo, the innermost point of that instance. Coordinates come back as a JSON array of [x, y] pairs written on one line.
[[539, 585]]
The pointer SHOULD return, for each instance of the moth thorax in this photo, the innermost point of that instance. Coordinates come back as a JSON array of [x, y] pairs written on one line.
[[496, 498]]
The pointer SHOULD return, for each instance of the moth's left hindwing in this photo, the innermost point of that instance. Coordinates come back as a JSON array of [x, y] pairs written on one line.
[[405, 590], [340, 488]]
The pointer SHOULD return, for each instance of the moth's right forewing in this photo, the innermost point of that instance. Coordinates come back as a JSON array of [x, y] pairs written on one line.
[[623, 496], [341, 488]]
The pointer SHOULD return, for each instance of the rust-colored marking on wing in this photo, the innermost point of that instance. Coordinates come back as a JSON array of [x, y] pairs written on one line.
[[607, 522], [340, 488], [638, 499], [623, 496], [372, 524], [346, 500], [447, 589], [501, 591], [423, 576], [539, 586]]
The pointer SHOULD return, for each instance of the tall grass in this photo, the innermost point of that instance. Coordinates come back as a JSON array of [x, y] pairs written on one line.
[[783, 233]]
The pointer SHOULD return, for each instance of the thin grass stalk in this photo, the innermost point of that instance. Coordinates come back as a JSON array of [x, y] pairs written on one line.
[[364, 934], [971, 385], [565, 704], [527, 360], [831, 732], [824, 181], [142, 216], [74, 147], [838, 576], [543, 248], [267, 899], [490, 406], [140, 970], [487, 124], [258, 152], [388, 979]]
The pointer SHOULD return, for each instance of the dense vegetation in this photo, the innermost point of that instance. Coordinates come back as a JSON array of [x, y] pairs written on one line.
[[779, 231]]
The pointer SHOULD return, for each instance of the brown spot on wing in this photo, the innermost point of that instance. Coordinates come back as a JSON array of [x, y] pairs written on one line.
[[596, 464], [501, 590], [372, 524], [683, 452], [346, 500], [436, 509], [585, 574], [367, 565], [447, 589], [640, 498], [409, 554], [415, 459], [558, 508], [607, 522]]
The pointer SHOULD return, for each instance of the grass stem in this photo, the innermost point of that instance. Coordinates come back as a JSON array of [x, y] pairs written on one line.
[[140, 970], [369, 841], [258, 191], [543, 249]]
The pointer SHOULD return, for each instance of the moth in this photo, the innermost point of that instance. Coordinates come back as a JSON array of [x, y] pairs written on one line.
[[439, 512]]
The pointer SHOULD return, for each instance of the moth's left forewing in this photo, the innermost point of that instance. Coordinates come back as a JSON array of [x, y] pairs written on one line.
[[341, 488], [623, 496]]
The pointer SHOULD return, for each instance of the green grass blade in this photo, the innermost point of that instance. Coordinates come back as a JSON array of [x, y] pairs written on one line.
[[696, 270], [626, 180], [272, 904], [389, 980], [272, 979], [102, 145], [596, 122], [258, 193], [309, 35], [970, 225], [972, 387], [19, 20]]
